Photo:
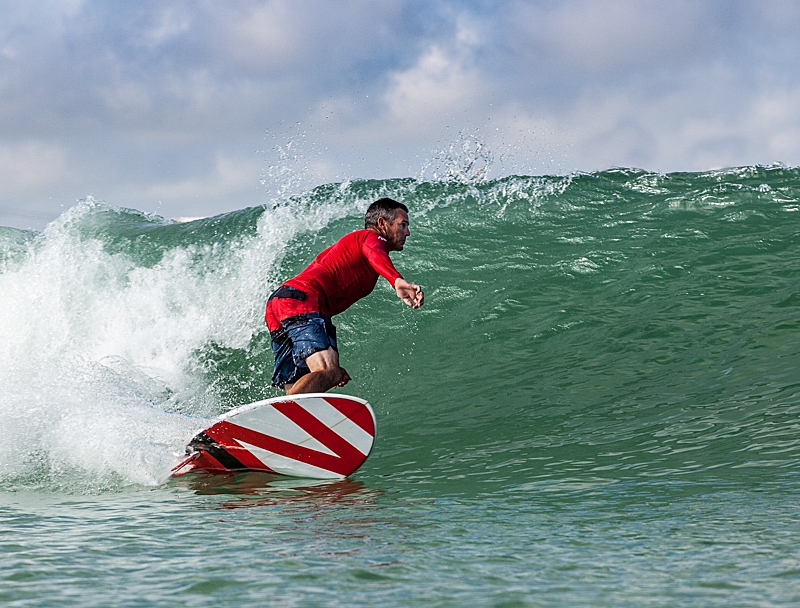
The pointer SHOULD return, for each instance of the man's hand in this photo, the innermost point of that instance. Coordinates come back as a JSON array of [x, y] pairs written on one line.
[[345, 377], [408, 292]]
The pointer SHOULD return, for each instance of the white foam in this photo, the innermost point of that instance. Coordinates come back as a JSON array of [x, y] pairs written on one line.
[[95, 347]]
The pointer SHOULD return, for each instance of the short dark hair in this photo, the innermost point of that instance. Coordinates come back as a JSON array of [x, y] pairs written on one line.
[[383, 207]]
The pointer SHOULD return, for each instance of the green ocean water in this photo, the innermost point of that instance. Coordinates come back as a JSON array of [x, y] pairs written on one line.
[[597, 405]]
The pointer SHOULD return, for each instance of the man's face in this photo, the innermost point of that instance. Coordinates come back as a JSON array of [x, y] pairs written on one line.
[[397, 230]]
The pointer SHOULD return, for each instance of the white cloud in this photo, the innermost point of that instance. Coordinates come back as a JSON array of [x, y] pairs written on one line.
[[435, 93], [169, 24], [31, 165], [261, 34], [777, 15], [776, 122], [584, 37], [439, 86], [604, 35], [229, 175]]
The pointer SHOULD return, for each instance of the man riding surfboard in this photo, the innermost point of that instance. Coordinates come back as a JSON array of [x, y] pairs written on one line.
[[299, 312]]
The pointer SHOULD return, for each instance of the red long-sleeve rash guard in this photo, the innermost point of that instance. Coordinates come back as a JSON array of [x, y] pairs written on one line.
[[342, 274]]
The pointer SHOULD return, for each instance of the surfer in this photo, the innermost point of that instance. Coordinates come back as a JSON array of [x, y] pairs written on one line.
[[299, 312]]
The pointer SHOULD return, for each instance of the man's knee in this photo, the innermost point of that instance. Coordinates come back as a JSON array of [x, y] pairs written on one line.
[[324, 361]]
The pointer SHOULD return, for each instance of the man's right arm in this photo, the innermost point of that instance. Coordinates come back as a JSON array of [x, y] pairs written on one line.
[[379, 258]]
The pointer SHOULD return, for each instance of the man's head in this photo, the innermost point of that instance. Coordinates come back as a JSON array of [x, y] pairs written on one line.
[[389, 218]]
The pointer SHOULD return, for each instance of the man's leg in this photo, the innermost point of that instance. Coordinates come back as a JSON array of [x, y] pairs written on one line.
[[325, 374]]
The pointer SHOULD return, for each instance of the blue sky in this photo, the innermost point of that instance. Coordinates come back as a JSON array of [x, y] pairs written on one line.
[[193, 108]]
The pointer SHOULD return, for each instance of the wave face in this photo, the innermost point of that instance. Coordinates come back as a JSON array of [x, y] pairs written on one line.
[[578, 330]]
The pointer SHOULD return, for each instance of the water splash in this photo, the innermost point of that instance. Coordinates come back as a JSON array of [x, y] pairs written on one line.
[[467, 160]]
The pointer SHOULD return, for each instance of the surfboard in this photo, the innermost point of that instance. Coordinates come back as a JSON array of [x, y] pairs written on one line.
[[314, 435]]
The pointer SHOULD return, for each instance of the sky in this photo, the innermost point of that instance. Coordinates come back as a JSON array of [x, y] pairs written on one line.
[[188, 108]]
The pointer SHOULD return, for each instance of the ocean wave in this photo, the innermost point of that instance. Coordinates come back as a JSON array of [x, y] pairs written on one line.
[[602, 325]]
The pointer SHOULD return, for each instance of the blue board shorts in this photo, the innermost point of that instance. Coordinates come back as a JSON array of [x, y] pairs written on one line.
[[298, 338]]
